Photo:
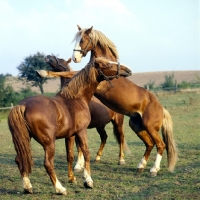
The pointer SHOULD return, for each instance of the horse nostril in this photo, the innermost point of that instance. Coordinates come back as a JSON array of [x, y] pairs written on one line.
[[75, 60]]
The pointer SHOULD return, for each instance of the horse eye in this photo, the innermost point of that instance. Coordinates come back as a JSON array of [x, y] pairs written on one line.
[[61, 60]]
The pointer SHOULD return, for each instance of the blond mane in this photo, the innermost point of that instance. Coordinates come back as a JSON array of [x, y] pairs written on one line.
[[98, 36]]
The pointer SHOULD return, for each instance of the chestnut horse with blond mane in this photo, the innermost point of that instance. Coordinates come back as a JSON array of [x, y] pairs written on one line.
[[147, 116], [101, 115], [64, 116]]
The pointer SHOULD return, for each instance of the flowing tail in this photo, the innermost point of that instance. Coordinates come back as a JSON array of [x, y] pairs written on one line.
[[21, 139], [171, 147]]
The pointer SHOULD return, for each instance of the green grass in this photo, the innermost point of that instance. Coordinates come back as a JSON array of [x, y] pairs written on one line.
[[112, 181]]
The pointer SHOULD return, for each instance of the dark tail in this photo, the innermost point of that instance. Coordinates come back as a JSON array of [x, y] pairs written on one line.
[[167, 132], [21, 139]]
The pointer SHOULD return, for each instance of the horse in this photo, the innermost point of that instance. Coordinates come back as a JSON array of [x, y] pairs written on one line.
[[101, 115], [147, 115], [65, 115]]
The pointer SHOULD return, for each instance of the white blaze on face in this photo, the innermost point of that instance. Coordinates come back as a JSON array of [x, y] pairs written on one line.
[[77, 55]]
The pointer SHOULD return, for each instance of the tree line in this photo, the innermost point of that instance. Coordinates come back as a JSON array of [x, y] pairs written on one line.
[[170, 83], [27, 74]]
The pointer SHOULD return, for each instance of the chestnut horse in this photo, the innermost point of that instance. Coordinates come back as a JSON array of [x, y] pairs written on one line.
[[147, 116], [101, 115], [64, 116]]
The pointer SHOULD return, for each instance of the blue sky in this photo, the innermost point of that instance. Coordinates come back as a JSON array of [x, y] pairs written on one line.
[[151, 35]]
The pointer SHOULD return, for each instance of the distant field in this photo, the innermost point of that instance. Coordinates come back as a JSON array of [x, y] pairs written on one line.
[[139, 78], [112, 181]]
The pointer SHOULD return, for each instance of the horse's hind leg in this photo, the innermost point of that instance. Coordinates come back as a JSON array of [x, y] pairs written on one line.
[[160, 145], [69, 144], [79, 166], [28, 189], [137, 126], [49, 166], [153, 125], [103, 136], [118, 130]]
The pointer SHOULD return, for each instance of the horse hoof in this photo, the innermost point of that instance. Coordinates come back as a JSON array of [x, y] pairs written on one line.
[[122, 162], [28, 191], [41, 73], [140, 170], [62, 193], [74, 182], [97, 161], [88, 184], [153, 174]]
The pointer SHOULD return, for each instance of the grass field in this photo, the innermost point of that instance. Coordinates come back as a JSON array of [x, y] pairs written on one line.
[[112, 181]]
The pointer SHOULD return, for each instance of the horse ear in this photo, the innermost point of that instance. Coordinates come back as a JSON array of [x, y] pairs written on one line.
[[79, 28], [88, 31], [69, 60]]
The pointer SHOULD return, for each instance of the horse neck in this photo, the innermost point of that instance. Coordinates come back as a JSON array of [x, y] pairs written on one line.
[[83, 90], [63, 81], [102, 52]]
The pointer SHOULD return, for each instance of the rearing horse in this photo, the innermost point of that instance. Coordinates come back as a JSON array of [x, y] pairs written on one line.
[[101, 115], [147, 116], [64, 116]]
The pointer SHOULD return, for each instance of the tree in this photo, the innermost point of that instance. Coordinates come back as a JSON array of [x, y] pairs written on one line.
[[28, 70], [7, 94], [169, 81], [149, 85]]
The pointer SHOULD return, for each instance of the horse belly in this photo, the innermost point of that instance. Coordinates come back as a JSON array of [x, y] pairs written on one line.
[[120, 106], [124, 97], [100, 114]]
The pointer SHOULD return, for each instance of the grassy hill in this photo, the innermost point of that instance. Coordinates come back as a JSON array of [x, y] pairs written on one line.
[[53, 85]]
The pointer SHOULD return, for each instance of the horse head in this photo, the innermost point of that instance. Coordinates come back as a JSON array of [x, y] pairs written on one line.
[[57, 64], [108, 69], [95, 41], [83, 43]]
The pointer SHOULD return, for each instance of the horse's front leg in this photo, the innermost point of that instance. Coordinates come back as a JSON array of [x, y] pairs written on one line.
[[49, 166], [79, 167], [82, 138], [27, 184], [69, 144]]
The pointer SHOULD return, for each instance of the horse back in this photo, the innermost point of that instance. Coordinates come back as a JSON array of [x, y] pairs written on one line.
[[55, 117]]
